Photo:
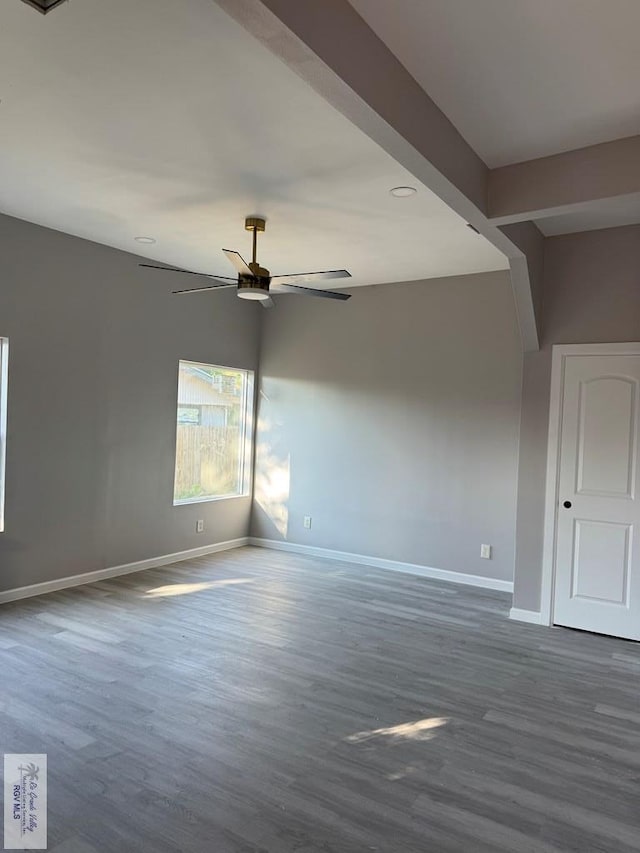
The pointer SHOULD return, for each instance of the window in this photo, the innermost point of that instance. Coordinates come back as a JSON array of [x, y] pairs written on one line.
[[4, 357], [213, 432]]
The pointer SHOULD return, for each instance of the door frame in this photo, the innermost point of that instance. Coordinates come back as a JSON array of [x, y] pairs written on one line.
[[560, 353]]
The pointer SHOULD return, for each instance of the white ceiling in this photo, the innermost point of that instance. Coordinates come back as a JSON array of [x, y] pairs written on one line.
[[125, 119], [520, 78]]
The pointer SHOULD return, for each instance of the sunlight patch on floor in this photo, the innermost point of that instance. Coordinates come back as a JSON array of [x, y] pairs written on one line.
[[421, 730], [402, 774], [188, 588]]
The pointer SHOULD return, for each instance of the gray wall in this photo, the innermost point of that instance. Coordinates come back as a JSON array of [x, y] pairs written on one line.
[[94, 350], [392, 420], [591, 295]]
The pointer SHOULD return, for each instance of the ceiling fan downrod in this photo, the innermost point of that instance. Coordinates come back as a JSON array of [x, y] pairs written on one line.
[[255, 224]]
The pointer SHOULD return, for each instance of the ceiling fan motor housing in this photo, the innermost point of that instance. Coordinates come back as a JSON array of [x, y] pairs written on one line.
[[253, 287]]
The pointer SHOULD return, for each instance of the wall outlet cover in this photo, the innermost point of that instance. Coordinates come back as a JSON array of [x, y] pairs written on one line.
[[485, 552]]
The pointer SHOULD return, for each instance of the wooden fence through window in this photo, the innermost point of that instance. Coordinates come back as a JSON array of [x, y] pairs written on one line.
[[207, 461]]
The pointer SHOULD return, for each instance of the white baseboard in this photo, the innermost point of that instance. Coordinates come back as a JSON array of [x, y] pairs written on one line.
[[115, 571], [380, 563], [534, 617]]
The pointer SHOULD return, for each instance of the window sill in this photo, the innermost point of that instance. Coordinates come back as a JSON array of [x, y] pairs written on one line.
[[203, 500]]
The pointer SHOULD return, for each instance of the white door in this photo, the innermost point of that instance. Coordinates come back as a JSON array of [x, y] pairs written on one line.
[[597, 581]]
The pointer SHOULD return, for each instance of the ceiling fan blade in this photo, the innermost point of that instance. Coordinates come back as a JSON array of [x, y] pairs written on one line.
[[188, 272], [267, 303], [299, 277], [280, 287], [238, 262], [209, 287]]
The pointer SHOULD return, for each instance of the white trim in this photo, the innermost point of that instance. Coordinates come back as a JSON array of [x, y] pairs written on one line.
[[560, 354], [380, 563], [533, 617], [206, 500], [116, 571]]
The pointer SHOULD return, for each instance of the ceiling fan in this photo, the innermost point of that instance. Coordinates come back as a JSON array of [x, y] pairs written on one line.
[[256, 282]]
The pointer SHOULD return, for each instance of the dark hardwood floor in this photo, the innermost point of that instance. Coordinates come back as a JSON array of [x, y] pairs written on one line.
[[260, 701]]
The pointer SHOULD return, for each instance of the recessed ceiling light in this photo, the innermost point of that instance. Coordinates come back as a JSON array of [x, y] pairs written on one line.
[[144, 239], [403, 192]]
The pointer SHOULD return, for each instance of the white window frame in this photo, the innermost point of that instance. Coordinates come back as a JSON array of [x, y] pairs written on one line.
[[4, 377], [246, 436]]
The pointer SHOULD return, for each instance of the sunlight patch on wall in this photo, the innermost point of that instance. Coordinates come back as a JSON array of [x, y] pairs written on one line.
[[272, 486]]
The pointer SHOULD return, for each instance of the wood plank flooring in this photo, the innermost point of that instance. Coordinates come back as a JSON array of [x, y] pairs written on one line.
[[261, 702]]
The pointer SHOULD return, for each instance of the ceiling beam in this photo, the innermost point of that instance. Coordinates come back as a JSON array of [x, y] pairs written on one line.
[[331, 47], [527, 270], [564, 183]]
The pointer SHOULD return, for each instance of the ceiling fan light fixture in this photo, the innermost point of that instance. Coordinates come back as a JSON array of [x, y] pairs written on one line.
[[256, 293]]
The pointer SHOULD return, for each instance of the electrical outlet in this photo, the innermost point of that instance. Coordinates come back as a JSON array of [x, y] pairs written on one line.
[[200, 525], [485, 552], [307, 522]]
